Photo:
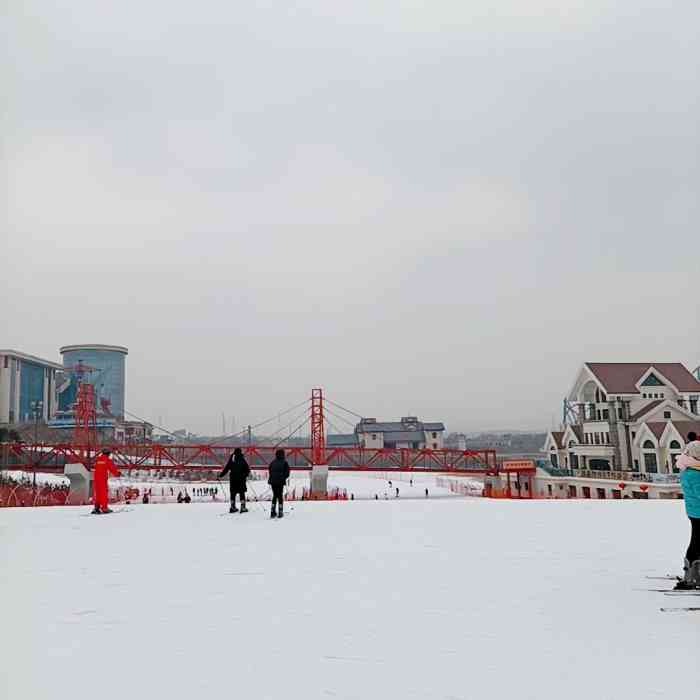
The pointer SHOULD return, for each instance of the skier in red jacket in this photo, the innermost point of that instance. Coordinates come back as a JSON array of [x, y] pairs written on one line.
[[104, 466]]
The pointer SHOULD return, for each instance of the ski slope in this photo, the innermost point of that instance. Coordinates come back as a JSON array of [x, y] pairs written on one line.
[[436, 598]]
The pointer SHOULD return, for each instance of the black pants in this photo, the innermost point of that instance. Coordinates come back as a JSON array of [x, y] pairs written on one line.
[[693, 553], [236, 489], [278, 496]]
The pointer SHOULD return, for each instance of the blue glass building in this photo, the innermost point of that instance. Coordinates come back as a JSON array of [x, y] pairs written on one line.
[[27, 387], [108, 376]]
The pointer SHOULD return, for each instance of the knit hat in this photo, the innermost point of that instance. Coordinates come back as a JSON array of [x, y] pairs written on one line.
[[692, 449]]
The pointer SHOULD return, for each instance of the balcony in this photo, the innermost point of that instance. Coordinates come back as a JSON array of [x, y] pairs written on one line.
[[615, 475]]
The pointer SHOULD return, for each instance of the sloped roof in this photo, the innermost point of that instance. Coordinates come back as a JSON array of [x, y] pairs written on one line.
[[686, 426], [645, 409], [657, 427], [397, 426], [621, 377], [578, 432], [558, 438]]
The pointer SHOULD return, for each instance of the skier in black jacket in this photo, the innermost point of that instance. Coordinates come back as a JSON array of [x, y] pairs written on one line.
[[277, 478], [238, 470]]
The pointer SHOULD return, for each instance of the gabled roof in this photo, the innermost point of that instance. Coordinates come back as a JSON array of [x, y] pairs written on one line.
[[577, 430], [657, 427], [622, 377], [558, 438], [686, 426]]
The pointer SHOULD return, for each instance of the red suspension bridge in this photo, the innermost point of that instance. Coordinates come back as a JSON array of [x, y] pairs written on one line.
[[314, 415]]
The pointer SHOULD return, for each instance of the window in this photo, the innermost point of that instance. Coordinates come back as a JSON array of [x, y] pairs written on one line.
[[597, 438], [586, 491], [667, 415], [434, 436], [549, 489], [675, 445], [634, 435], [636, 465], [648, 445], [554, 460], [374, 436], [650, 463], [572, 492], [573, 460], [435, 446], [652, 380], [606, 415], [600, 493]]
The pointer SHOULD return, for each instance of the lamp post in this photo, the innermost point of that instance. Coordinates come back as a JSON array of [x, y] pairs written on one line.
[[37, 409]]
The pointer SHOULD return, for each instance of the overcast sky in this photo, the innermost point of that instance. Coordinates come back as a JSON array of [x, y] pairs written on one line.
[[432, 208]]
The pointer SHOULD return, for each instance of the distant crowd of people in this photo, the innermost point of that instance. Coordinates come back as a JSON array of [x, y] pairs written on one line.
[[20, 491]]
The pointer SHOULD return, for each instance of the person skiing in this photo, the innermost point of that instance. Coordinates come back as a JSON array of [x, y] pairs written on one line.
[[103, 467], [689, 465], [238, 470], [278, 473]]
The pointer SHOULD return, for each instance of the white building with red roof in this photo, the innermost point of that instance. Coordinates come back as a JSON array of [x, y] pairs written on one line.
[[631, 417]]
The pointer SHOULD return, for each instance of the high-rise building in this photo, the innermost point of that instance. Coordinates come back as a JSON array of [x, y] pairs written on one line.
[[27, 387]]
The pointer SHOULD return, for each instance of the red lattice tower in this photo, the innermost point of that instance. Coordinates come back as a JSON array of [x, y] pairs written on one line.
[[85, 431], [318, 435]]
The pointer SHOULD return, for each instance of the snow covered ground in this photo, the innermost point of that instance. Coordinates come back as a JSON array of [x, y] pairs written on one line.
[[363, 485], [433, 598]]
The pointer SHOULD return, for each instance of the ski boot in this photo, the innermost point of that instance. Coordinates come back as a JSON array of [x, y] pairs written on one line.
[[273, 512], [691, 577], [95, 511], [244, 508], [107, 510], [233, 508], [280, 513]]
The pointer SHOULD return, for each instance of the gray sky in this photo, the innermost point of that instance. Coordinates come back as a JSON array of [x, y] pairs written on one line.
[[437, 208]]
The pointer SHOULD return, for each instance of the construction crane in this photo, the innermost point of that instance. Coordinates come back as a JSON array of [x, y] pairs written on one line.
[[84, 410]]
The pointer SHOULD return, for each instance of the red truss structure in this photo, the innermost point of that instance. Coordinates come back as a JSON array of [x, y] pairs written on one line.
[[318, 436], [201, 458], [179, 459]]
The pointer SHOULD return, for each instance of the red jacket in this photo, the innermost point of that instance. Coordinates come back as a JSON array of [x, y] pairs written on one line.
[[103, 467]]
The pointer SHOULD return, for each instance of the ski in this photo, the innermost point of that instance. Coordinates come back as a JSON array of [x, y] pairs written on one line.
[[679, 609], [667, 577], [114, 512]]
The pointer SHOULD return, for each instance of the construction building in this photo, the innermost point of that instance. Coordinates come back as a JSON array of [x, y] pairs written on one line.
[[28, 387], [408, 433]]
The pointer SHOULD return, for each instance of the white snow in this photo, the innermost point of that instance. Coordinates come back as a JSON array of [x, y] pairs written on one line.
[[433, 598], [363, 485]]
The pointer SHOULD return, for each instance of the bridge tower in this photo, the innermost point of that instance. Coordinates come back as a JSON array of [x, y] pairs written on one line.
[[318, 435], [319, 469]]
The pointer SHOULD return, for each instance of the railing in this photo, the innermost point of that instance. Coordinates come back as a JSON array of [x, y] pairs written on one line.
[[613, 475], [52, 458]]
